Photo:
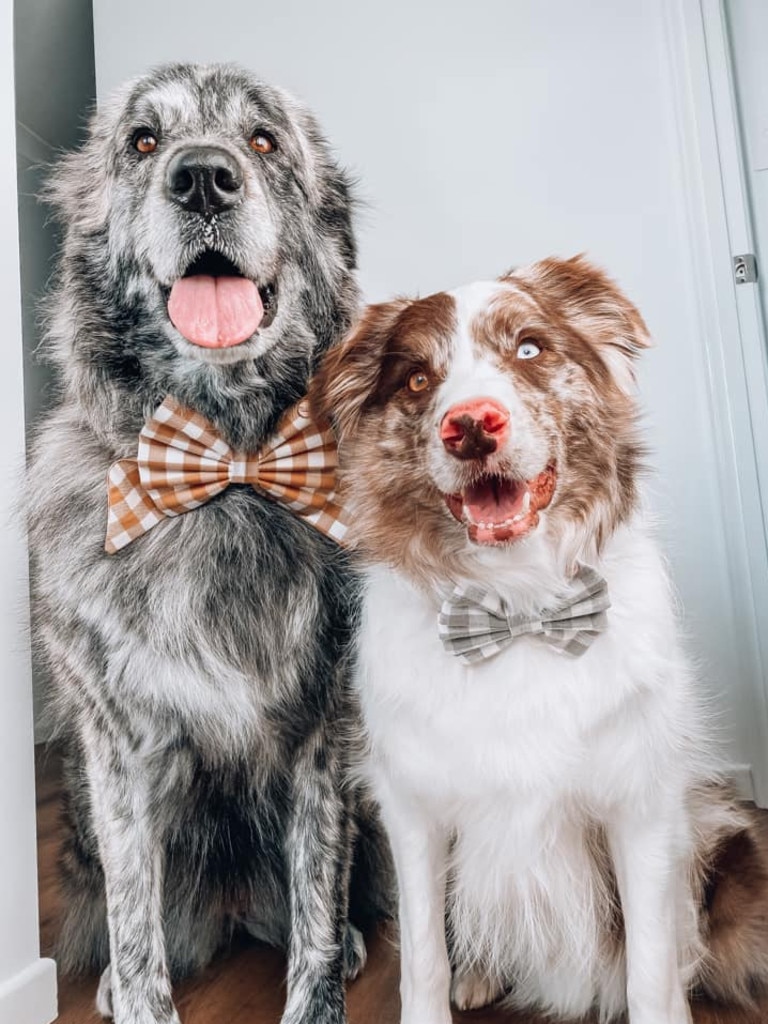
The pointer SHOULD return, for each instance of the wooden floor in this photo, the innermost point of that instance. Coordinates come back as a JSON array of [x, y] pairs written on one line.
[[245, 985]]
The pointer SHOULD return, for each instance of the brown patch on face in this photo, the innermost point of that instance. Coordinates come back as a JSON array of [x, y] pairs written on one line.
[[515, 318], [391, 341], [383, 427], [417, 340], [593, 304], [349, 372]]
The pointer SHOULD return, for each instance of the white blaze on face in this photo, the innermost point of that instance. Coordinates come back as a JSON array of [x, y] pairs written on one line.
[[471, 374], [500, 500], [474, 373]]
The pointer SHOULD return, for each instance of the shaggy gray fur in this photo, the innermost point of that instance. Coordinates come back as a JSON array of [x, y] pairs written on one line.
[[199, 675]]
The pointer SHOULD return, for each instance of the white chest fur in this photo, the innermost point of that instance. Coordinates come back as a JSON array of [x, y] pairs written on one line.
[[531, 718], [518, 759]]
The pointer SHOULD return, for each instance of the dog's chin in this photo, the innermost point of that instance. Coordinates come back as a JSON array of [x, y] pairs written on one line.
[[252, 348], [496, 510]]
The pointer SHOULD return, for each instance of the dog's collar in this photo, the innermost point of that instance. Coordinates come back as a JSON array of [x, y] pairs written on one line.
[[475, 623], [182, 462]]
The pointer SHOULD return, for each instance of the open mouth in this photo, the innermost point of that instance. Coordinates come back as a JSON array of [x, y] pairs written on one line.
[[497, 510], [215, 306]]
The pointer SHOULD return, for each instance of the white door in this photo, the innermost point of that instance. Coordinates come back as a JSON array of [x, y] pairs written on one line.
[[745, 26], [722, 53], [747, 22]]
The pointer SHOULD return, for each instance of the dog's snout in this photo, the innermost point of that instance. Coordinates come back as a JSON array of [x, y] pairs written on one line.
[[204, 179], [474, 429]]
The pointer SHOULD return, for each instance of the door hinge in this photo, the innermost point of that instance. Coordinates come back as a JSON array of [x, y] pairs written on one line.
[[745, 268]]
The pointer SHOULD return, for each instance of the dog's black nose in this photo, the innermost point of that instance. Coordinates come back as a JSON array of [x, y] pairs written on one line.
[[204, 179]]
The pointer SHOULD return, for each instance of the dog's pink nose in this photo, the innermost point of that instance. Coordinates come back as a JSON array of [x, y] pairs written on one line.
[[474, 429]]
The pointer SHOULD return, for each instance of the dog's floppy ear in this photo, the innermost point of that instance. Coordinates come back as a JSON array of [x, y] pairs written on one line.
[[349, 373], [595, 306], [79, 189]]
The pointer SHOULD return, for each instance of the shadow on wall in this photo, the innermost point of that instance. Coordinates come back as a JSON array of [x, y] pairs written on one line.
[[55, 89]]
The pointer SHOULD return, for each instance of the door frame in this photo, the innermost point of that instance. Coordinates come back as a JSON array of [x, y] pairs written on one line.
[[733, 334], [27, 981]]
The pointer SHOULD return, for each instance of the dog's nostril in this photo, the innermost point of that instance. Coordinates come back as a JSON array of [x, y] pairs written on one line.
[[453, 432], [182, 182], [494, 420], [225, 180]]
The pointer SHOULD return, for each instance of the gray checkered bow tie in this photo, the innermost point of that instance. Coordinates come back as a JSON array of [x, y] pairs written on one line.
[[474, 623]]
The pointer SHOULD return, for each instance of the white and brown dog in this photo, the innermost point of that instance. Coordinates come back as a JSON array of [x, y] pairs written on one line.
[[536, 735]]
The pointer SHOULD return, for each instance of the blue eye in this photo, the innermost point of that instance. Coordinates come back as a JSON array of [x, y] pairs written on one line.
[[528, 350]]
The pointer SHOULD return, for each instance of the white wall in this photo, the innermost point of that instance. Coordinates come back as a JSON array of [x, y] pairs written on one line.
[[27, 984], [55, 88], [490, 134]]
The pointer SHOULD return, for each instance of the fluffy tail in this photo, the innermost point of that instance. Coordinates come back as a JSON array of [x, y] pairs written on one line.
[[733, 886]]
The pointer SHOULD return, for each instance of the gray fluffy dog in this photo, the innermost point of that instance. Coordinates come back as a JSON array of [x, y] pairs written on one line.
[[199, 675]]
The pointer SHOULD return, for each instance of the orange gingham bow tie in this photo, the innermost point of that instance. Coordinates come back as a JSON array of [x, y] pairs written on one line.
[[182, 463]]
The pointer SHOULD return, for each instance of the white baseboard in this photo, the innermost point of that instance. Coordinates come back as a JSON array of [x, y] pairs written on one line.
[[29, 997]]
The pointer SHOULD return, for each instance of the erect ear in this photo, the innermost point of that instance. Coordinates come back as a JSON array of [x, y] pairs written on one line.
[[349, 373], [595, 306]]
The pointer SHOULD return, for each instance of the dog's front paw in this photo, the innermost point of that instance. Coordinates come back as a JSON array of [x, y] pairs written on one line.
[[318, 1002], [316, 1014], [472, 989], [105, 1005], [355, 953]]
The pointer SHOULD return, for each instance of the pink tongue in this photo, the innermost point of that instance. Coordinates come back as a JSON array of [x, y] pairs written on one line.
[[215, 312], [494, 502]]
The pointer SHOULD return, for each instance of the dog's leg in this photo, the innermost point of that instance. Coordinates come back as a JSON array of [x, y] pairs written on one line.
[[420, 851], [131, 854], [646, 851], [319, 859]]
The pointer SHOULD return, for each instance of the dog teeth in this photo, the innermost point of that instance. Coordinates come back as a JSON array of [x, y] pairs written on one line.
[[481, 524]]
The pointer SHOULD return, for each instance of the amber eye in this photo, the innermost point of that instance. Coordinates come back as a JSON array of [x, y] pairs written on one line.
[[144, 141], [261, 142], [418, 381]]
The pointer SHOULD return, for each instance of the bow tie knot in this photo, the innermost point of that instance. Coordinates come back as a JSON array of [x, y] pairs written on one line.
[[182, 462], [238, 471], [475, 623]]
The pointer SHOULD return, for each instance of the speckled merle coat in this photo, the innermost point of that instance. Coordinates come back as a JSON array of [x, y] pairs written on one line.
[[198, 675]]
